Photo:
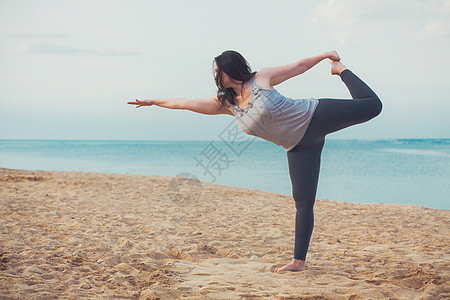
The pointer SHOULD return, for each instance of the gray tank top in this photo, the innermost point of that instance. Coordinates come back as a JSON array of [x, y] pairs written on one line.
[[275, 118]]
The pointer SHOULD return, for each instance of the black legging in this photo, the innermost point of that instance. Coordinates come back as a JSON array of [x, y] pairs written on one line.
[[304, 159]]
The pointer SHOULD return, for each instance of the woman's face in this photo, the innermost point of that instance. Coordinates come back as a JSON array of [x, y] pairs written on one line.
[[224, 79], [216, 70]]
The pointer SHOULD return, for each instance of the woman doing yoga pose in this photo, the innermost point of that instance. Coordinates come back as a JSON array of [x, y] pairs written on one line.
[[299, 125]]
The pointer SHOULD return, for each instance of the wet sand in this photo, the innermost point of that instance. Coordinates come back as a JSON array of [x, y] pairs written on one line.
[[104, 236]]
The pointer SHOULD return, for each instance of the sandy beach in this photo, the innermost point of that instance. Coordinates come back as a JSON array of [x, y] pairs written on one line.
[[105, 236]]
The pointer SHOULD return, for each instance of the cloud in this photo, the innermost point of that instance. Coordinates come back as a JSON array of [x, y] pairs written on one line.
[[445, 7], [37, 36], [433, 29], [439, 26], [335, 15], [29, 44], [53, 49], [347, 19]]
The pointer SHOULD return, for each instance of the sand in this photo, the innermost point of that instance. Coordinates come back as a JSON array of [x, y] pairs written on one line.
[[104, 236]]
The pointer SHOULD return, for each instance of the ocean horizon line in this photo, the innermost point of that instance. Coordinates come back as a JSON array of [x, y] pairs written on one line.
[[219, 140]]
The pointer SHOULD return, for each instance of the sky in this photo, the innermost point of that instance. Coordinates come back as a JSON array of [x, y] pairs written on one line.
[[67, 68]]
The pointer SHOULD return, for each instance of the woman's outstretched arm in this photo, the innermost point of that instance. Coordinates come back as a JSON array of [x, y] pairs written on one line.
[[277, 75], [209, 106], [172, 103]]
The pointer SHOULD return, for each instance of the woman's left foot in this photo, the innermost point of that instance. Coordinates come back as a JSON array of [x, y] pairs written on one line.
[[294, 266], [336, 67]]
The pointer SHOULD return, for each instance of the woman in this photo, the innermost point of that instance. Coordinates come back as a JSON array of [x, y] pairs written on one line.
[[300, 126]]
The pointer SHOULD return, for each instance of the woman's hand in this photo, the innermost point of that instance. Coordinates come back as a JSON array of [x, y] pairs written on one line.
[[140, 103], [333, 55]]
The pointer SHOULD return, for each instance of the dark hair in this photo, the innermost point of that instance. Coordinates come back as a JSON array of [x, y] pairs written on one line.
[[236, 67]]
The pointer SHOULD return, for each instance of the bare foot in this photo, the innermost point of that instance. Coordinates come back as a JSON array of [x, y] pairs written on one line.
[[336, 67], [294, 266]]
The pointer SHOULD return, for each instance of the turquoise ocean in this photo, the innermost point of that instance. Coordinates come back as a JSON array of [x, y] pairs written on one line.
[[400, 171]]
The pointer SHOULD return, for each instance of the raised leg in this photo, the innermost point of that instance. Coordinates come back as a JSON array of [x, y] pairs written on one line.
[[336, 114]]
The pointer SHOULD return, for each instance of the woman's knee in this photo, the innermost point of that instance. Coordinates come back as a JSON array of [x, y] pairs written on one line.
[[377, 106], [304, 201]]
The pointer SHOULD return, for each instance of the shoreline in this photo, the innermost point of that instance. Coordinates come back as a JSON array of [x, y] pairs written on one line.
[[161, 177], [407, 171], [77, 234]]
